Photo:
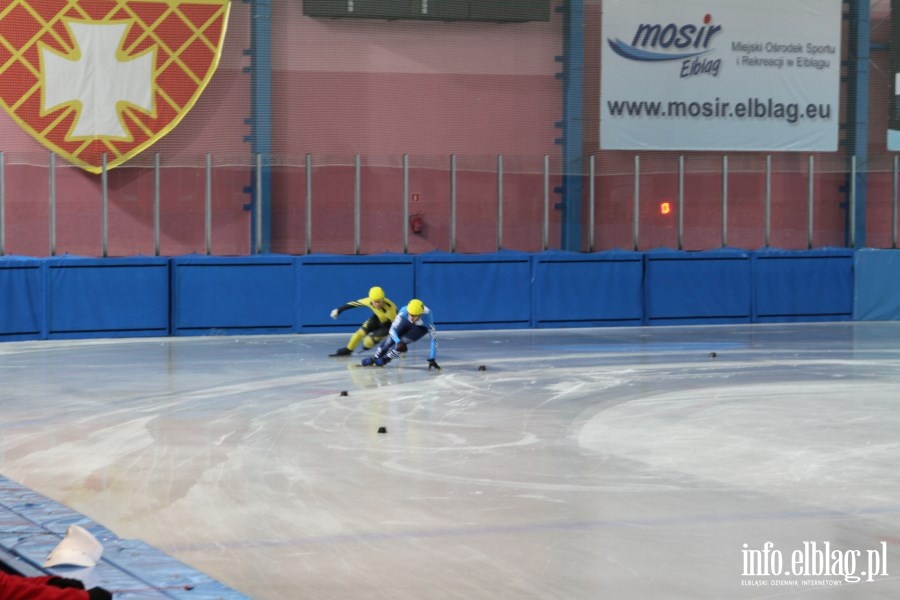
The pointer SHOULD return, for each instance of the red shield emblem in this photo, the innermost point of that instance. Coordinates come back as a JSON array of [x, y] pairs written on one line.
[[111, 77]]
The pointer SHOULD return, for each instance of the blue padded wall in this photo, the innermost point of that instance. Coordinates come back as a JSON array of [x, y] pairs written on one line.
[[200, 295], [877, 291], [22, 308], [325, 282], [213, 295], [109, 297], [803, 285], [683, 288], [476, 290], [571, 289]]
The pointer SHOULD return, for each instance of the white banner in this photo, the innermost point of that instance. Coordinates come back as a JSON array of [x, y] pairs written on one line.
[[728, 75], [893, 134]]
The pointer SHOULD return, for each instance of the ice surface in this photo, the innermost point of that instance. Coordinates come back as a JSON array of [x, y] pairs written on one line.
[[622, 463]]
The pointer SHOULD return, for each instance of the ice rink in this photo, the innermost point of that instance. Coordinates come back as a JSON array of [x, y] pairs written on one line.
[[580, 464]]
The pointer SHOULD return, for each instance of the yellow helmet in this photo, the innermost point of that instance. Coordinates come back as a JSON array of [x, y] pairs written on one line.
[[376, 293], [415, 307]]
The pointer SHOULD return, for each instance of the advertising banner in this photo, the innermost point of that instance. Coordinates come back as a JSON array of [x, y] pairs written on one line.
[[893, 135], [729, 75]]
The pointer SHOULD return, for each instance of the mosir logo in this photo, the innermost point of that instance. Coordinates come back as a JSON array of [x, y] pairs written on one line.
[[673, 42], [98, 77]]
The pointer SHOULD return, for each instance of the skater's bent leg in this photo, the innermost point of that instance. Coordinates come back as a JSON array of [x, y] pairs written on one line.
[[355, 338], [386, 345], [375, 336]]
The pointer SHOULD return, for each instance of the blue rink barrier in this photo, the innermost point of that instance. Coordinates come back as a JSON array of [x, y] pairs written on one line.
[[109, 297], [324, 282], [877, 290], [476, 291], [603, 289], [70, 297], [710, 287], [22, 307], [246, 295], [809, 285]]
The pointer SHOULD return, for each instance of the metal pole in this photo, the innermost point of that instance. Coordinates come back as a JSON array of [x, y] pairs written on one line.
[[591, 198], [637, 195], [452, 203], [768, 199], [104, 207], [680, 201], [545, 238], [357, 174], [853, 201], [52, 204], [156, 181], [257, 207], [809, 209], [259, 203], [724, 201], [894, 206], [406, 204], [208, 211], [499, 202], [309, 204], [2, 204]]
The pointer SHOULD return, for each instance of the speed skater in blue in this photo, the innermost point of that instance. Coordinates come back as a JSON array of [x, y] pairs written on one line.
[[413, 321]]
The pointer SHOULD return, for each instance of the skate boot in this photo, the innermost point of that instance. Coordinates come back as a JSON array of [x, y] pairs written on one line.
[[343, 352]]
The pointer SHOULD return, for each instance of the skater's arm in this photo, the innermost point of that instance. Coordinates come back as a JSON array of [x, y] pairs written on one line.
[[428, 321], [335, 313]]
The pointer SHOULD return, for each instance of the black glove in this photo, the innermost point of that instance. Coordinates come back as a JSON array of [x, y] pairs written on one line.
[[401, 347], [98, 593], [432, 364], [65, 582]]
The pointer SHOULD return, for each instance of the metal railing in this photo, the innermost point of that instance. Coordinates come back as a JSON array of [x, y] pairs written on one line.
[[636, 208]]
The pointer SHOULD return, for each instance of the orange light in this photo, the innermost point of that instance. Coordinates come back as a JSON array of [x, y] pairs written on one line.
[[665, 208]]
